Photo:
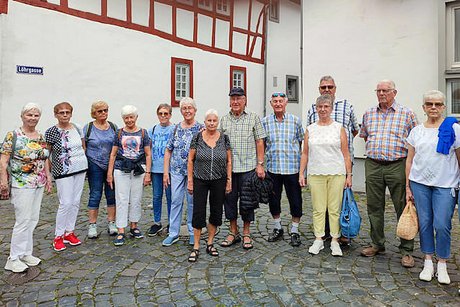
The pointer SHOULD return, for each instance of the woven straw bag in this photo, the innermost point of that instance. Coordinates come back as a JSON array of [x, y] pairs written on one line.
[[408, 222]]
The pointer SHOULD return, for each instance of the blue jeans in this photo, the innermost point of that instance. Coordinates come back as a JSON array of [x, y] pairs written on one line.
[[97, 180], [178, 191], [429, 200], [157, 186]]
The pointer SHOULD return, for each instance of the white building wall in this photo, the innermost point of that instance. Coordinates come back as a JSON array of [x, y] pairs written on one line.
[[86, 61], [284, 53], [361, 42]]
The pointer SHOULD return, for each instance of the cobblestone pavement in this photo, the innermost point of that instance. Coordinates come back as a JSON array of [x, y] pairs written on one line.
[[144, 273]]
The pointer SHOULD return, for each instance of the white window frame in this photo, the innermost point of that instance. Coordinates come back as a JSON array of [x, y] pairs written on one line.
[[451, 64], [292, 97], [238, 78], [220, 5], [202, 4], [182, 81], [449, 102]]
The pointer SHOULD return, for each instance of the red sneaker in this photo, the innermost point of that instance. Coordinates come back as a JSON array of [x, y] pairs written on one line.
[[72, 239], [58, 244]]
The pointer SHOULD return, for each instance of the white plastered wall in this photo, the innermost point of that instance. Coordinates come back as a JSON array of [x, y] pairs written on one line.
[[85, 61], [361, 42], [284, 53]]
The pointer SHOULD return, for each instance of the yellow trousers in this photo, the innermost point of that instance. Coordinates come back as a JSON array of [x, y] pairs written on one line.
[[326, 195]]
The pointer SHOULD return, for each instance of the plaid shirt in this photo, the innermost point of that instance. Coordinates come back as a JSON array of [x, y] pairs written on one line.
[[344, 114], [243, 131], [386, 132], [283, 141]]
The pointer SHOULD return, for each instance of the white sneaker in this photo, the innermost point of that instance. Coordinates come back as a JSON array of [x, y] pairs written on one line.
[[316, 247], [31, 260], [335, 248], [112, 228], [92, 231], [427, 273], [443, 277], [17, 266]]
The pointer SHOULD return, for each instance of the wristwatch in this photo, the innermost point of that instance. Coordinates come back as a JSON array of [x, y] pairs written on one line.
[[260, 162]]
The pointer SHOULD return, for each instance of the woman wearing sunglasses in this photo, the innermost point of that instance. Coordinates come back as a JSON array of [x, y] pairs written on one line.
[[432, 174], [99, 137]]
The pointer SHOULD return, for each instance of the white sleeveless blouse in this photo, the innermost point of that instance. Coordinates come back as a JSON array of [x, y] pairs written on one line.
[[324, 151]]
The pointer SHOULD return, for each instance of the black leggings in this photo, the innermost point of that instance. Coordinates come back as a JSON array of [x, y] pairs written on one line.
[[216, 189]]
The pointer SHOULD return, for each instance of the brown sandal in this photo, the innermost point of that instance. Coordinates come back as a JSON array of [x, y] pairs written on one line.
[[236, 238], [211, 250]]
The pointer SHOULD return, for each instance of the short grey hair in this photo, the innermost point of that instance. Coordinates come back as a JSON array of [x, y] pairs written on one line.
[[164, 106], [326, 78], [326, 98], [391, 82], [31, 106], [434, 94], [211, 112], [187, 100], [128, 110]]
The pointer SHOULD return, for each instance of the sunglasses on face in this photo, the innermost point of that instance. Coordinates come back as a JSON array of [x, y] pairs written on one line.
[[102, 111], [163, 113], [327, 87], [283, 95], [434, 104]]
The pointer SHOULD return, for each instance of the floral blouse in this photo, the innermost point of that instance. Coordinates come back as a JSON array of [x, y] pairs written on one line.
[[27, 163]]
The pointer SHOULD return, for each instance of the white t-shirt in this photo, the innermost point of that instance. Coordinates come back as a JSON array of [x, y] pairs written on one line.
[[325, 155], [430, 167]]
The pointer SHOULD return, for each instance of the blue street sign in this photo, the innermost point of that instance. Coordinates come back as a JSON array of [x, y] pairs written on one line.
[[29, 70]]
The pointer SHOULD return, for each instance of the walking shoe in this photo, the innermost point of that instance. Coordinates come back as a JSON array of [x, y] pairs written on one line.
[[119, 240], [154, 230], [407, 261], [170, 241], [191, 240], [443, 276], [112, 229], [427, 273], [295, 239], [316, 247], [371, 251], [30, 260], [92, 231], [136, 233], [58, 244], [335, 249], [276, 235], [71, 239], [17, 266]]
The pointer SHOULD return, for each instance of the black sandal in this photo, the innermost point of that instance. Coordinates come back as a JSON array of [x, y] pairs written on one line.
[[228, 243], [248, 245], [211, 250], [194, 255]]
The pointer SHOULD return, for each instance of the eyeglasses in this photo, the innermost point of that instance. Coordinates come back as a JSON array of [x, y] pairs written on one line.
[[434, 104], [327, 87], [102, 111], [384, 91], [64, 112], [163, 113], [283, 95]]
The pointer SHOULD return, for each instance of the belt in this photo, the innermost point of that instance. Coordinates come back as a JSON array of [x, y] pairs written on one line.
[[386, 162]]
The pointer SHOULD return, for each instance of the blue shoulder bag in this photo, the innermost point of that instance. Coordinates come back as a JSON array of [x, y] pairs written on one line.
[[350, 220]]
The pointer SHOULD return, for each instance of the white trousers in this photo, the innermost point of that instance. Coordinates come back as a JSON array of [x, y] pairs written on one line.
[[26, 204], [128, 197], [69, 191]]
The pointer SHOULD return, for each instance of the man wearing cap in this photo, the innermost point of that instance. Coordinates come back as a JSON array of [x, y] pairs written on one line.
[[283, 149], [246, 135], [342, 113]]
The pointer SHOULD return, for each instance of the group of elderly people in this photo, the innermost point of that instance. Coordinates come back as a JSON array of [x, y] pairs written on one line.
[[195, 162]]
